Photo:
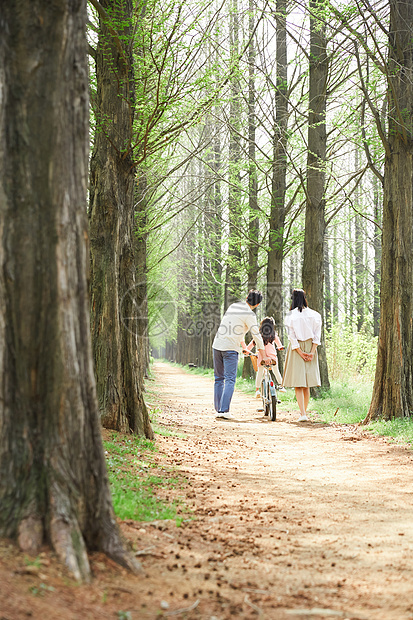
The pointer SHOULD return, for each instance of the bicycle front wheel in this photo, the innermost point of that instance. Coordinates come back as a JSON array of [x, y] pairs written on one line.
[[265, 396], [273, 408], [272, 397]]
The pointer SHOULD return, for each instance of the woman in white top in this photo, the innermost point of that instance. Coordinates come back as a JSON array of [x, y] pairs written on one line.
[[301, 369]]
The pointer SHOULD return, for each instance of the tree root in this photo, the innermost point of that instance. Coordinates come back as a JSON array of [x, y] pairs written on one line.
[[69, 545], [117, 550], [30, 535]]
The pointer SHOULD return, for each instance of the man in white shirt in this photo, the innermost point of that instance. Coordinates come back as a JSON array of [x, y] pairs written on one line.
[[236, 322]]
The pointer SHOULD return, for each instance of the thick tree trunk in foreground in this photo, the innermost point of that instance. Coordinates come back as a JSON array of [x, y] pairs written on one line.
[[53, 481], [115, 311], [393, 386], [313, 264]]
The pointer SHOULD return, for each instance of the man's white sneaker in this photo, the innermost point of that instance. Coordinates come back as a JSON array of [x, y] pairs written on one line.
[[257, 394], [282, 389], [303, 418], [224, 415]]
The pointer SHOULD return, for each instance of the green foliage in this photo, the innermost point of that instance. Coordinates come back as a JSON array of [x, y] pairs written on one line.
[[401, 429], [204, 372], [350, 355], [170, 85], [348, 403], [136, 493], [41, 589], [158, 429], [344, 403], [36, 562]]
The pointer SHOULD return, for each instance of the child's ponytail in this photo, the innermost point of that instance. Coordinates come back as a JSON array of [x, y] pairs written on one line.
[[267, 330]]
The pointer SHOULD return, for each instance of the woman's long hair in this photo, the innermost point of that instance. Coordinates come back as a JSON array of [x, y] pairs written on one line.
[[298, 299], [267, 329]]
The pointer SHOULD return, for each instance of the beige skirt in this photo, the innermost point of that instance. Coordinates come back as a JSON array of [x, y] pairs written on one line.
[[297, 372]]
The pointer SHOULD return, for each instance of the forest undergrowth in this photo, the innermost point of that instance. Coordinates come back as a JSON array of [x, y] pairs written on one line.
[[140, 488]]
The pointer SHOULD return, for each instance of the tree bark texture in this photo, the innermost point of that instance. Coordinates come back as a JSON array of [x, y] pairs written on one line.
[[209, 316], [53, 482], [233, 271], [327, 286], [274, 305], [253, 219], [142, 322], [253, 215], [359, 267], [377, 245], [393, 386], [313, 263], [186, 341], [116, 314]]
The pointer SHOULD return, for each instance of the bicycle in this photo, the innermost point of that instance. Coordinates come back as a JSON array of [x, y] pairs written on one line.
[[269, 393], [268, 389]]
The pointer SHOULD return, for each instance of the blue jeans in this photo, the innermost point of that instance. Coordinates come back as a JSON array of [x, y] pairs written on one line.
[[225, 371]]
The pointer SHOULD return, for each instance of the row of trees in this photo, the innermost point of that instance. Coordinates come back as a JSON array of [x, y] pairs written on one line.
[[301, 188], [235, 145], [294, 168]]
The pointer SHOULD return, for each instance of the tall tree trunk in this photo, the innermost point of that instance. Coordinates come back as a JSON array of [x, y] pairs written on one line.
[[327, 304], [274, 304], [278, 183], [336, 282], [142, 322], [115, 312], [377, 255], [352, 283], [253, 220], [393, 385], [53, 481], [233, 278], [211, 306], [346, 286], [313, 264], [186, 323], [359, 269]]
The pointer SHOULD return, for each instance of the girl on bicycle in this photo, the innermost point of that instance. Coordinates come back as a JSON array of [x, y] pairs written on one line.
[[271, 340]]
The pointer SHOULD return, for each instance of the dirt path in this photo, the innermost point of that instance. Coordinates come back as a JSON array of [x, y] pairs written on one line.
[[292, 521], [315, 516]]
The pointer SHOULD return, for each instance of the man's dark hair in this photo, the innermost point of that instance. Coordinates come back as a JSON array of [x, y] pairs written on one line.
[[298, 299], [254, 298]]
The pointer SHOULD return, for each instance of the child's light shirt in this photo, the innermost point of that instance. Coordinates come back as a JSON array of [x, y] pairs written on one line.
[[269, 349]]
